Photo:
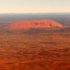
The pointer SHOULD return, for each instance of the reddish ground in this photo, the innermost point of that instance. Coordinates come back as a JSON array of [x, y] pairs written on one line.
[[44, 51], [35, 24]]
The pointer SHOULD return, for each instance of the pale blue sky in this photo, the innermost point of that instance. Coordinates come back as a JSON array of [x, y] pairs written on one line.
[[34, 6]]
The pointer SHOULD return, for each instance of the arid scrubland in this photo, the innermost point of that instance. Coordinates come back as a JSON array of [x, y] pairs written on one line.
[[41, 51]]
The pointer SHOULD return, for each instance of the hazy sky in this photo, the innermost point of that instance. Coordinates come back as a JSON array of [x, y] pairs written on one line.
[[34, 6]]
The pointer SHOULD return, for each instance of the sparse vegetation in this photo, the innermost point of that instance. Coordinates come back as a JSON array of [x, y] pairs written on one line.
[[41, 51]]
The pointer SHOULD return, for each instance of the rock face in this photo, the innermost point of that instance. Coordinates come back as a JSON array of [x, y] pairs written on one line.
[[35, 24]]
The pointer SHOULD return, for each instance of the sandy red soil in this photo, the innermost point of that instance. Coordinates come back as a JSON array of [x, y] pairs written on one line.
[[35, 24], [44, 51]]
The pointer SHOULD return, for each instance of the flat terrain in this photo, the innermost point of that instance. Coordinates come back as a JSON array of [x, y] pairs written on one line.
[[41, 51]]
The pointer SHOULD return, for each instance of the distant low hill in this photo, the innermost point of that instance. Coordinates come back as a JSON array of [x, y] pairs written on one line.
[[26, 24]]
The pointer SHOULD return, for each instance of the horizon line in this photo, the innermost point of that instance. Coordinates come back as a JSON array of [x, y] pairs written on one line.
[[40, 13]]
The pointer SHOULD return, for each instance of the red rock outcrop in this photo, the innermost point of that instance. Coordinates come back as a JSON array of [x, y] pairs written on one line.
[[35, 24]]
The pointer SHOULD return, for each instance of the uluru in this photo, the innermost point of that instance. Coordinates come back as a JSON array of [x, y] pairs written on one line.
[[24, 24]]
